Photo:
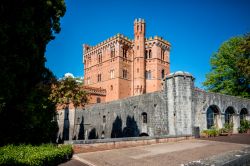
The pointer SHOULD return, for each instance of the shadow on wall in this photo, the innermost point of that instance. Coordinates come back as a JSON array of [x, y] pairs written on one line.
[[131, 129], [117, 128], [81, 130], [93, 134], [66, 124]]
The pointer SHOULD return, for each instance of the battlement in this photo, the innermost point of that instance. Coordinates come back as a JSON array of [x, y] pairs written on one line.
[[139, 20], [118, 37], [159, 39]]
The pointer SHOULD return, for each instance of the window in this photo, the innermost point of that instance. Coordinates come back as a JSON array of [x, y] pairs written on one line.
[[99, 56], [111, 87], [98, 100], [146, 54], [112, 74], [112, 52], [162, 73], [137, 70], [149, 54], [88, 80], [124, 73], [124, 53], [104, 119], [144, 117], [137, 47], [99, 78], [148, 75], [162, 54]]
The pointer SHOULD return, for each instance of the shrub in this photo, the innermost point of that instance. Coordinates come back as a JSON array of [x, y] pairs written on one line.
[[229, 126], [244, 126], [210, 132], [46, 154]]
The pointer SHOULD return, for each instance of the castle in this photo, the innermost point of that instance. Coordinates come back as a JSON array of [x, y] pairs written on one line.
[[125, 67], [126, 71]]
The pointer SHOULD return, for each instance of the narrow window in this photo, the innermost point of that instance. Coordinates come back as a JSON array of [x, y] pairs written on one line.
[[104, 119], [111, 87], [99, 78], [146, 54], [162, 73], [112, 74], [99, 56], [162, 54], [124, 73], [112, 52], [124, 51], [137, 70], [149, 54], [137, 47], [144, 117], [98, 100]]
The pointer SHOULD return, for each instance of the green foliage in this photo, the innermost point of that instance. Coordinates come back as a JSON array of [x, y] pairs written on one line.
[[68, 90], [213, 132], [228, 128], [26, 27], [230, 73], [46, 154], [244, 126]]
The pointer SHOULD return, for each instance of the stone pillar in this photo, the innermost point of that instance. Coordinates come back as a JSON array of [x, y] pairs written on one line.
[[178, 92], [236, 122]]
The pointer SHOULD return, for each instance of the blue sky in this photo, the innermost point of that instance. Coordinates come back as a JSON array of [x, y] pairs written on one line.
[[195, 29]]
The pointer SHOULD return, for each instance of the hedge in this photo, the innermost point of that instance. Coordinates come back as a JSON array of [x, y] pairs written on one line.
[[46, 154]]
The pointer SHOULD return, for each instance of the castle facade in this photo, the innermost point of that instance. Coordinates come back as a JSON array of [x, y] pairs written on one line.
[[125, 67]]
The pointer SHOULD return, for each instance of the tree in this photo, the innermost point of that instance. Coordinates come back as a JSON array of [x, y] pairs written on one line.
[[26, 27], [230, 73], [68, 90]]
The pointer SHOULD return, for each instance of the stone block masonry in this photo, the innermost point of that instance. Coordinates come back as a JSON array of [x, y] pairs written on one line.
[[174, 111]]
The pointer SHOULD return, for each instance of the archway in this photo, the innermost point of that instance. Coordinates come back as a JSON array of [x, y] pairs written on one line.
[[213, 117], [143, 135], [229, 114], [243, 114]]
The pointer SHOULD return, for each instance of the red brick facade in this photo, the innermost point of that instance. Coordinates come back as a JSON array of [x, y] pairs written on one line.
[[125, 67]]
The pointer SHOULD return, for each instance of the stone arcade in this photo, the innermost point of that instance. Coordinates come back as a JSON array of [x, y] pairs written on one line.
[[174, 111]]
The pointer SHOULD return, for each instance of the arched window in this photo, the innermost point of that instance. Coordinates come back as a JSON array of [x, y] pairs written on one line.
[[146, 54], [98, 100], [162, 73], [144, 117], [243, 114], [229, 115], [212, 116], [149, 54]]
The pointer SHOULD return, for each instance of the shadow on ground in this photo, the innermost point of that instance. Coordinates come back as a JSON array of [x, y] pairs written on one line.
[[235, 138]]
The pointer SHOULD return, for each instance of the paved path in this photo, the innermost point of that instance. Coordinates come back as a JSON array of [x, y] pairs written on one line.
[[174, 153]]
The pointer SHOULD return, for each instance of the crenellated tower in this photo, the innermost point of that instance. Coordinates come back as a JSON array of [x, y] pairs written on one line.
[[139, 83]]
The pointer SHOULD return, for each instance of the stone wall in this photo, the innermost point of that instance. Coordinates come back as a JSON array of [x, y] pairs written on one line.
[[174, 111]]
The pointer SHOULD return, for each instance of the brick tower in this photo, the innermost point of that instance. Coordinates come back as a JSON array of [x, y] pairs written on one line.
[[139, 83]]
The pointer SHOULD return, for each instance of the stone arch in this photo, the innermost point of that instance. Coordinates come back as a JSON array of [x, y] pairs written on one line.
[[243, 113], [143, 135], [213, 116], [229, 113]]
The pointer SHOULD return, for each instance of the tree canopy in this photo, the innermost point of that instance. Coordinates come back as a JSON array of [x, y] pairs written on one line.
[[68, 90], [26, 27], [230, 68]]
